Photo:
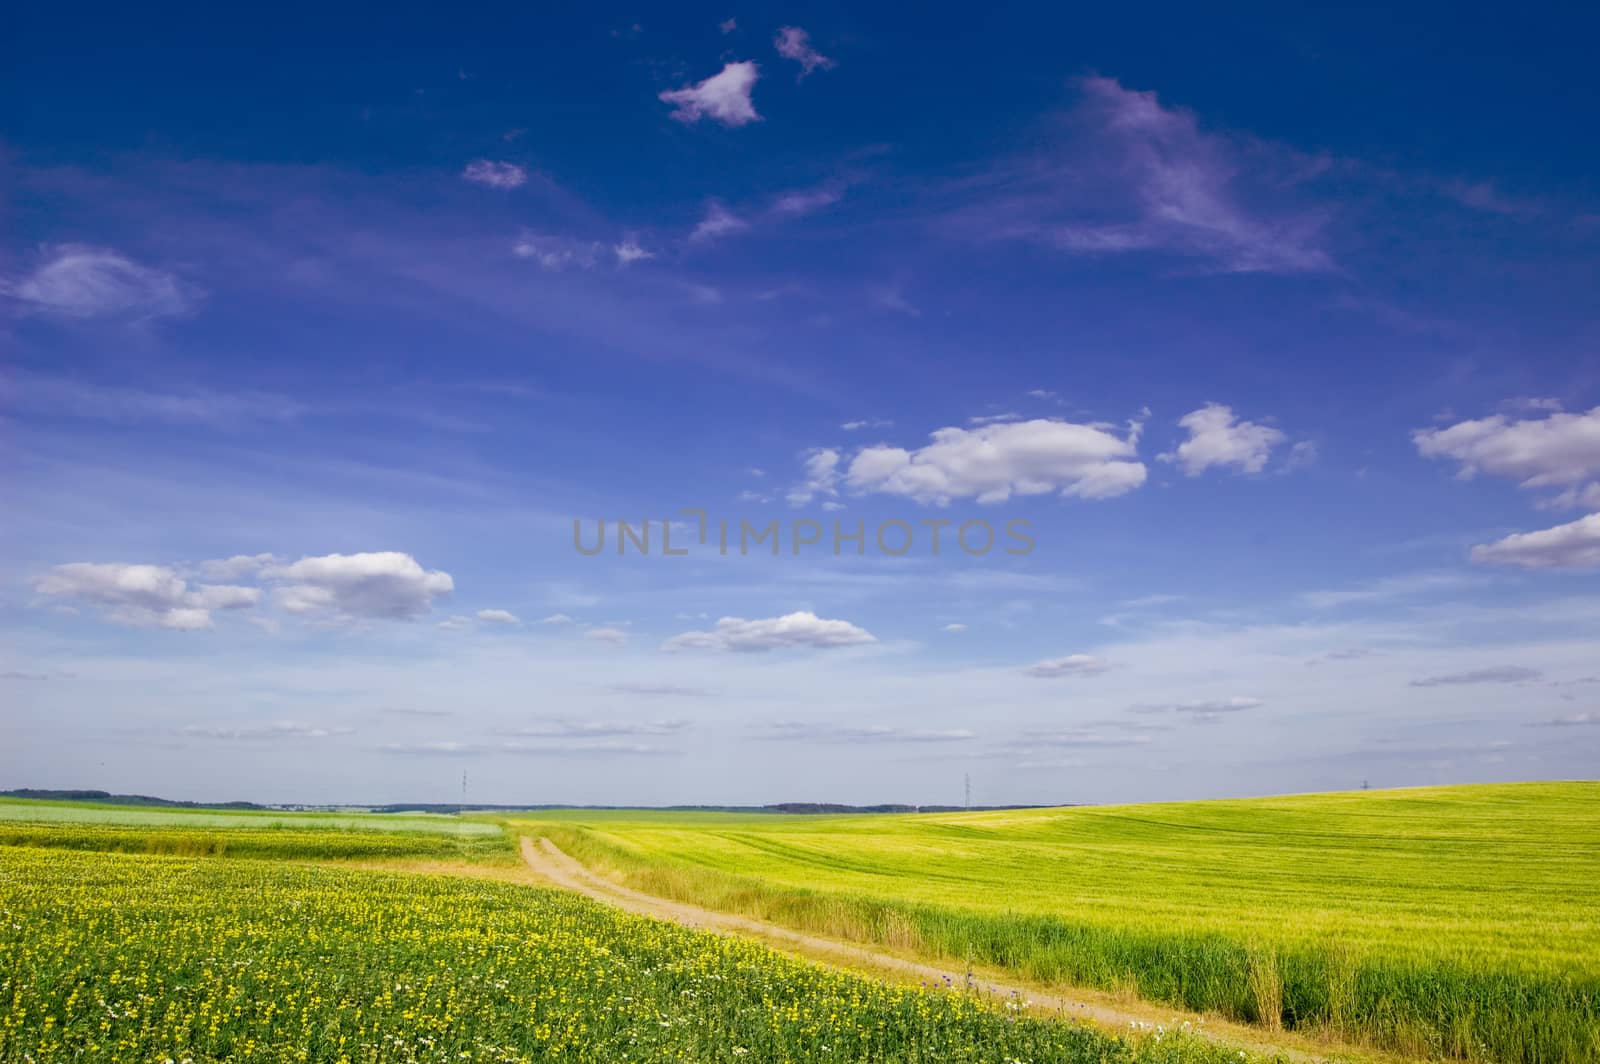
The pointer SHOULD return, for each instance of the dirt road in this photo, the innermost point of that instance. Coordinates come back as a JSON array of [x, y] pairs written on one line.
[[550, 863]]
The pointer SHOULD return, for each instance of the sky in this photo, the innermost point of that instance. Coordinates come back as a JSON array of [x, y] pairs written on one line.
[[1245, 366]]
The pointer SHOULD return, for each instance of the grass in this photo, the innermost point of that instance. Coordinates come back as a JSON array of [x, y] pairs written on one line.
[[111, 957], [1449, 922]]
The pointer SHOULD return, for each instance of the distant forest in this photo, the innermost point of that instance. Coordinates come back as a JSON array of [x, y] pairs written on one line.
[[450, 807]]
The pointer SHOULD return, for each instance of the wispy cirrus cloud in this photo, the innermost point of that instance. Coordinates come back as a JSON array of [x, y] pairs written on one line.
[[808, 732], [1070, 665], [1494, 674], [1128, 174], [83, 281]]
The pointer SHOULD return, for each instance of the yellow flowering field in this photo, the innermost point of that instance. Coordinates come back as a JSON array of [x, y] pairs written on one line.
[[140, 957]]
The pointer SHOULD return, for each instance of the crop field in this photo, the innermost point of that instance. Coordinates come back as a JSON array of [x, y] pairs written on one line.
[[121, 957], [1452, 922], [249, 834]]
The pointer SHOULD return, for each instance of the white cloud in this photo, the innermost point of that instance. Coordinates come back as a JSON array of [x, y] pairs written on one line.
[[1071, 665], [821, 477], [804, 731], [799, 629], [629, 252], [495, 174], [724, 97], [611, 636], [566, 728], [794, 43], [954, 627], [1572, 720], [795, 204], [557, 253], [1204, 708], [80, 281], [1575, 545], [1558, 451], [1079, 737], [718, 222], [385, 584], [144, 595], [283, 729], [866, 423], [1493, 674], [727, 26], [993, 462], [1135, 176], [498, 617], [1218, 438], [237, 567], [557, 618]]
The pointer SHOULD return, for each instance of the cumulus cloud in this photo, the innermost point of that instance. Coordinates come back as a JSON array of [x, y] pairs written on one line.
[[1574, 545], [498, 617], [992, 462], [1557, 451], [724, 97], [494, 174], [1071, 665], [718, 222], [821, 477], [80, 281], [800, 629], [1218, 438], [1495, 674], [794, 43], [610, 636], [557, 618], [387, 585], [146, 596], [955, 627]]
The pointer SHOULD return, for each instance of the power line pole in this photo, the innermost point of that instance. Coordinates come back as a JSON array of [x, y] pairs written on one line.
[[967, 779], [462, 808]]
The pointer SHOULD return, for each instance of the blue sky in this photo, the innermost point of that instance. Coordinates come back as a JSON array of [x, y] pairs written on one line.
[[320, 331]]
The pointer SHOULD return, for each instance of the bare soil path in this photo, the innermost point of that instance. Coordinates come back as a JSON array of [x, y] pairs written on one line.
[[1102, 1010]]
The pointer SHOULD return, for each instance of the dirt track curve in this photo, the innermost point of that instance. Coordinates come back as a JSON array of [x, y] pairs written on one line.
[[546, 859]]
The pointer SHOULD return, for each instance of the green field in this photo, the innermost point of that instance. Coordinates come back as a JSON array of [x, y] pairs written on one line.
[[1455, 922], [117, 957]]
